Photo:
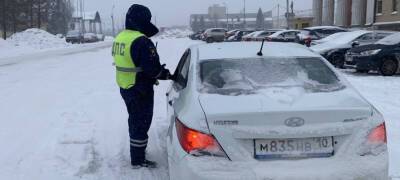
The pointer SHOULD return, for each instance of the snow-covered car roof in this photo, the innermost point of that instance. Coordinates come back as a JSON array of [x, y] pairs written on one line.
[[323, 27], [249, 49], [390, 40], [252, 34], [276, 34]]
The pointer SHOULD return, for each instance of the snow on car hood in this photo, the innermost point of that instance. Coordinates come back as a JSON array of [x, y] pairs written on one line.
[[277, 99], [344, 41], [328, 46]]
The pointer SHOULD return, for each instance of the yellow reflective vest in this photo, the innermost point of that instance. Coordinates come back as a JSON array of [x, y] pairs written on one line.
[[121, 51]]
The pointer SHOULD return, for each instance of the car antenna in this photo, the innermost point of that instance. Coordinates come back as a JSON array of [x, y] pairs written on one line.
[[262, 45]]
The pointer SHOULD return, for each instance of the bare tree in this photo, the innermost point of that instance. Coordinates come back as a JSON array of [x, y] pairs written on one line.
[[4, 22]]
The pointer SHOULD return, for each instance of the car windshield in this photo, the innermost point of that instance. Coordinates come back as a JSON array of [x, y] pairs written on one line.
[[390, 40], [247, 76]]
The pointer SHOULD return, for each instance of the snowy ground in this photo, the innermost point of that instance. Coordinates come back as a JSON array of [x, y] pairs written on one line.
[[62, 117]]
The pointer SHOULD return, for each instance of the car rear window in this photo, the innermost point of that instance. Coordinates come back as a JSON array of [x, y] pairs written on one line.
[[229, 76]]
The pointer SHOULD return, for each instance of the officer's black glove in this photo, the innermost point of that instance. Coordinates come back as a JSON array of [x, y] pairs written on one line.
[[164, 75]]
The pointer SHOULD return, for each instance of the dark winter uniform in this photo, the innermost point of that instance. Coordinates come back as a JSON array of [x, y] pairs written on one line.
[[139, 98]]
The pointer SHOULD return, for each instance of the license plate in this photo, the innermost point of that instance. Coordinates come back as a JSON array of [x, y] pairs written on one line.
[[293, 148]]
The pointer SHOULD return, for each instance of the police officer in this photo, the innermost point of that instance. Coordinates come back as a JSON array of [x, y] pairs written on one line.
[[137, 69]]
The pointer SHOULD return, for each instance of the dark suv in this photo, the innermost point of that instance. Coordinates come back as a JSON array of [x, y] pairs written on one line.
[[307, 35], [382, 56], [74, 37]]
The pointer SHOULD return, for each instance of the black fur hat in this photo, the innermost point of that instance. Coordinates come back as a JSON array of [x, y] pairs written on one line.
[[139, 18]]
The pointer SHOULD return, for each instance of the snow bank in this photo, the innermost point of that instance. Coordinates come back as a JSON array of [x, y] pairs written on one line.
[[37, 39], [4, 44]]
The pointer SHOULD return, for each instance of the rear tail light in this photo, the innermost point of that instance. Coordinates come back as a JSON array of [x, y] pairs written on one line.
[[197, 143], [375, 143], [269, 39], [378, 135]]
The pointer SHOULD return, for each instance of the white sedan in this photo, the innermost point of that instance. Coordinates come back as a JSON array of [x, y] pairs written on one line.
[[287, 114]]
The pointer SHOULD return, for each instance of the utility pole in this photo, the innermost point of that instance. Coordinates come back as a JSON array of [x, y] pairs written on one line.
[[227, 17], [287, 14], [244, 14], [112, 20], [279, 18]]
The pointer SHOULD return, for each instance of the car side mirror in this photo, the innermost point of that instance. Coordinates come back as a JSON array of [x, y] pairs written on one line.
[[355, 43]]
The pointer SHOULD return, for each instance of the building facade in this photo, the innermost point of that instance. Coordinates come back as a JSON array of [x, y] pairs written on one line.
[[375, 14], [217, 17], [303, 22], [88, 22], [387, 14]]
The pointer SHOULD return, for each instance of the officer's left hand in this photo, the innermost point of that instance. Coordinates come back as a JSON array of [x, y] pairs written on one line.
[[164, 75]]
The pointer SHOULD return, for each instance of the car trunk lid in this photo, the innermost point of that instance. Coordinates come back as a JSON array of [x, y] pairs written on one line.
[[237, 120]]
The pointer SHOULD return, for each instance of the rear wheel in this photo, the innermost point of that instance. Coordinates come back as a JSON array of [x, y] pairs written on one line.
[[338, 60], [389, 67], [210, 40]]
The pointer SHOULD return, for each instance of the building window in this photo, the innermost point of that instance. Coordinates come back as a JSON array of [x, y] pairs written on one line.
[[379, 6], [394, 5]]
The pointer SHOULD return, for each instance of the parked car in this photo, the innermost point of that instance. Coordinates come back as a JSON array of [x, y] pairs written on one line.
[[239, 35], [307, 35], [196, 35], [231, 33], [90, 37], [382, 56], [283, 36], [262, 35], [74, 37], [236, 115], [334, 51], [249, 36], [214, 35], [100, 37]]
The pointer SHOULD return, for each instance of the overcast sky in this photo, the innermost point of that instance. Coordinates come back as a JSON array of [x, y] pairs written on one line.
[[177, 12]]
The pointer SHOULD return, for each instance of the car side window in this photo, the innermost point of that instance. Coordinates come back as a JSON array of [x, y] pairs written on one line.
[[291, 34], [366, 37], [182, 71]]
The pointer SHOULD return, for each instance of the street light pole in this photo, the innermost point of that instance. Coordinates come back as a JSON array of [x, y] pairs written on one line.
[[227, 16], [244, 13], [112, 20]]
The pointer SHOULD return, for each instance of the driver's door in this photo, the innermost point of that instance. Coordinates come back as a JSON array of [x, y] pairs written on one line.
[[174, 92]]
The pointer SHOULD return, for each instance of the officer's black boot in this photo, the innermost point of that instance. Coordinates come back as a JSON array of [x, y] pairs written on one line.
[[145, 163]]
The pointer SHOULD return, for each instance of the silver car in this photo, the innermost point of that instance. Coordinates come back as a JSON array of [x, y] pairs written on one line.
[[287, 114]]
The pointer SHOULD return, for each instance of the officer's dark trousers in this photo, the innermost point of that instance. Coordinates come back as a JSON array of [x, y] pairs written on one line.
[[139, 102]]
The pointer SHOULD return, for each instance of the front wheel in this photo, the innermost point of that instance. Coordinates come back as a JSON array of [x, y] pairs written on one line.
[[389, 67], [210, 40], [338, 60]]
